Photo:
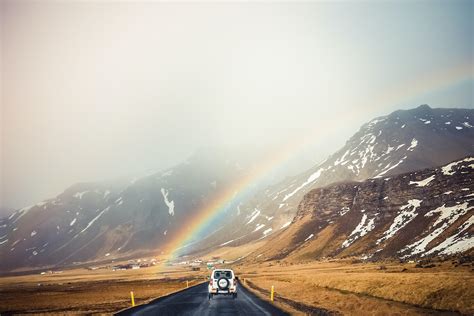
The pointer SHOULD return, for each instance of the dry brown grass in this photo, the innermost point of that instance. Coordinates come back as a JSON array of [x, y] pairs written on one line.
[[92, 292], [363, 289], [350, 289]]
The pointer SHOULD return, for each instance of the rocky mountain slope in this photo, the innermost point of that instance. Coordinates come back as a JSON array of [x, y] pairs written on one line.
[[97, 221], [403, 141], [418, 214], [116, 219]]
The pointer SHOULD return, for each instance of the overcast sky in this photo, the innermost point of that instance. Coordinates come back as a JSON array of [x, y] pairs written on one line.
[[98, 90]]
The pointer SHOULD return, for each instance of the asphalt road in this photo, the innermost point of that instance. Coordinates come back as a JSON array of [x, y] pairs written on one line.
[[194, 301]]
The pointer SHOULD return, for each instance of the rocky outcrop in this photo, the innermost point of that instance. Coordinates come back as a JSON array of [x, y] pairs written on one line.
[[403, 141], [419, 214]]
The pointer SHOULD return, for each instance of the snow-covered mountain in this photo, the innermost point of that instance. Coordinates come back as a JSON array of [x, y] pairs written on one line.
[[116, 219], [413, 215], [403, 141]]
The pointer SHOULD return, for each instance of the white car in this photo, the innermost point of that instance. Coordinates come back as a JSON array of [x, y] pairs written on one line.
[[222, 282]]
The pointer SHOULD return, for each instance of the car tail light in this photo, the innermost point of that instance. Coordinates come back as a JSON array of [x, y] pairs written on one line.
[[211, 282]]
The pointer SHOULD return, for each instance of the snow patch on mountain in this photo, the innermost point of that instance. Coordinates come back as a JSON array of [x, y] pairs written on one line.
[[447, 170], [361, 230], [310, 179], [79, 195], [93, 220], [226, 243], [267, 231], [458, 242], [424, 182], [168, 203], [390, 167], [259, 226], [377, 120], [413, 144], [448, 215], [341, 159], [253, 216], [407, 214], [451, 213], [22, 212]]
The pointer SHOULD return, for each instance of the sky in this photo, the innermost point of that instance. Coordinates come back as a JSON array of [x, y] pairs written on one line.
[[95, 90]]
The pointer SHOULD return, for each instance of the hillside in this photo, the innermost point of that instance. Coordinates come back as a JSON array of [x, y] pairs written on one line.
[[116, 219], [403, 141], [120, 219], [418, 214]]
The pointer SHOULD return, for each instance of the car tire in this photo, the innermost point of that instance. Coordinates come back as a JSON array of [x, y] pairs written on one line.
[[210, 296], [226, 284], [234, 296]]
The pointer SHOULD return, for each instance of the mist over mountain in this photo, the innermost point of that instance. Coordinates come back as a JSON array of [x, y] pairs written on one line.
[[134, 217], [122, 217], [403, 141], [117, 89], [6, 211]]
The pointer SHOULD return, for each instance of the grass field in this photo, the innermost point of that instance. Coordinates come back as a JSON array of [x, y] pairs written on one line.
[[369, 288], [340, 286], [91, 292]]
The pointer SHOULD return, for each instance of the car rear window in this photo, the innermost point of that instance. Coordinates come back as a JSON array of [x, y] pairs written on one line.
[[222, 274]]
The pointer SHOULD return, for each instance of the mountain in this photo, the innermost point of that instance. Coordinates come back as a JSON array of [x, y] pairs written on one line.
[[403, 141], [412, 215], [6, 211], [120, 219], [116, 219]]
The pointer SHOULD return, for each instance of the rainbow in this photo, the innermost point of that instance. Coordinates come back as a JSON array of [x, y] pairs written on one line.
[[194, 226]]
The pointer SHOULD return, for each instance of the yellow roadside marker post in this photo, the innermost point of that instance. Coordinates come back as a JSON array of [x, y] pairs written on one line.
[[272, 293], [133, 298], [187, 283]]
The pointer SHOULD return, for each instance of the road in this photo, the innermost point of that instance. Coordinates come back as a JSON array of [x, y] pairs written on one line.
[[194, 301]]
